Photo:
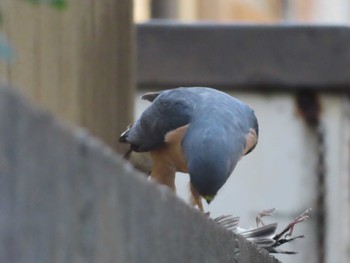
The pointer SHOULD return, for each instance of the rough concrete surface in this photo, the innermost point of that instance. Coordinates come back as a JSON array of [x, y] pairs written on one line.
[[65, 197]]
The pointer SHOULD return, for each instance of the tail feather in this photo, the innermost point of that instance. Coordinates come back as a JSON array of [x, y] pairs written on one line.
[[260, 232], [124, 136], [127, 154]]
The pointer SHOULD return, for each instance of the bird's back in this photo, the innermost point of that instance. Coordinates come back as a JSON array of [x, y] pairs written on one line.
[[203, 107], [216, 138]]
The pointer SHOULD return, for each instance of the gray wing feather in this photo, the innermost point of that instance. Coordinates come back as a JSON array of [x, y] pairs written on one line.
[[260, 232], [150, 96], [169, 111]]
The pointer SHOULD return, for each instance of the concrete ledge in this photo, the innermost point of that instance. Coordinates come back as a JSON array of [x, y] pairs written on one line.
[[65, 197], [232, 56]]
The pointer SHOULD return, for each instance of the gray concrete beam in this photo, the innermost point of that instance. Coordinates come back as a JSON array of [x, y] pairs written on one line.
[[283, 57]]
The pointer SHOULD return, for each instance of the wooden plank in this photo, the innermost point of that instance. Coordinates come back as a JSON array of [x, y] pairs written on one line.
[[21, 22], [106, 79]]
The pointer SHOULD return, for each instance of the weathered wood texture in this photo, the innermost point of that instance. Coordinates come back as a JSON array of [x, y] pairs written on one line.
[[78, 62], [65, 197]]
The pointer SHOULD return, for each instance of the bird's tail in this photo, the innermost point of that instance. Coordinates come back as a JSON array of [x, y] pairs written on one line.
[[124, 139], [127, 154], [124, 136]]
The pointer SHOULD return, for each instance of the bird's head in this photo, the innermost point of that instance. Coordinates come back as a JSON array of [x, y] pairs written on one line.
[[207, 186], [209, 198], [207, 179], [210, 163]]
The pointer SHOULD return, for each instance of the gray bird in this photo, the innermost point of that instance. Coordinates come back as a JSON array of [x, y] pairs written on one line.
[[265, 236], [200, 131]]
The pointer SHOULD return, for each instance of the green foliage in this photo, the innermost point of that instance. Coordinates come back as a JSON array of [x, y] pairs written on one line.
[[6, 52], [59, 4]]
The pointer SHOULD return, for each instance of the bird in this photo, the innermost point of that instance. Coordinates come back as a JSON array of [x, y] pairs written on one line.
[[196, 130], [265, 236]]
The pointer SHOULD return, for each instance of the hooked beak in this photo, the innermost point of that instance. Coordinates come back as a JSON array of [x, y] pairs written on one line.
[[208, 198]]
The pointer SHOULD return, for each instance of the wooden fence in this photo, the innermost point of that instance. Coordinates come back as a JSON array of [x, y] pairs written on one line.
[[78, 62]]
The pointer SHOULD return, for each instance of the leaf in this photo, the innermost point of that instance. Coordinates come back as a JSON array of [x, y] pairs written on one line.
[[58, 4], [38, 1]]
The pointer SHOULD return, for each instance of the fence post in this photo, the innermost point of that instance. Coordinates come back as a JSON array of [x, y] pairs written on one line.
[[78, 62]]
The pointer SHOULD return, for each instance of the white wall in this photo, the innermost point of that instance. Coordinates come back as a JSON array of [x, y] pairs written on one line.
[[331, 12]]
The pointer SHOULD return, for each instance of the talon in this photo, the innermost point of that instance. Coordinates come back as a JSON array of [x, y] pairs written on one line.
[[267, 212], [289, 229], [297, 220]]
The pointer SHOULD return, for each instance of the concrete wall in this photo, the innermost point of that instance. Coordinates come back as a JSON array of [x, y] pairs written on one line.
[[246, 57], [65, 197]]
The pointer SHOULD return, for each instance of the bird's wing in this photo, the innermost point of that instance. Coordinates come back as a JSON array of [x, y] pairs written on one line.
[[150, 96], [169, 110], [260, 232]]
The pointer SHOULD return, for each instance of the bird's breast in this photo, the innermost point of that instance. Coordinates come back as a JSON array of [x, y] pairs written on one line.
[[171, 153]]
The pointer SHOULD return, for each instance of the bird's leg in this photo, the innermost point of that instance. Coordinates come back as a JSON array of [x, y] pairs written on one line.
[[288, 231], [267, 212], [196, 198]]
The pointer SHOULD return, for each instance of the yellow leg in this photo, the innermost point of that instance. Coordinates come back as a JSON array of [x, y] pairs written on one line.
[[196, 198]]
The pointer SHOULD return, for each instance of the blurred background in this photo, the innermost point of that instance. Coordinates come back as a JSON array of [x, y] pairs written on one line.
[[252, 11], [89, 61], [297, 163]]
